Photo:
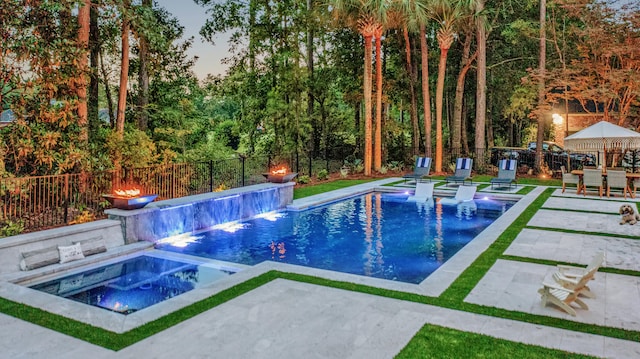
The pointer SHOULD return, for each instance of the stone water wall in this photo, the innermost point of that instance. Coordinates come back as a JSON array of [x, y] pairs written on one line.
[[167, 218]]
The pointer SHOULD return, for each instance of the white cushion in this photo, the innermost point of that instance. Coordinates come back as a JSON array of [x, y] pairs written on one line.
[[70, 253]]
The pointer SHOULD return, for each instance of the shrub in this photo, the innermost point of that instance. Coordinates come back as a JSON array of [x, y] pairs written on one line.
[[323, 175], [84, 217], [220, 188], [396, 166], [304, 179], [11, 228], [383, 170]]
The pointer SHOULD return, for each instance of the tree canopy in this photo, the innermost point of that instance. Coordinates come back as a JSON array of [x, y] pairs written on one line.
[[300, 79]]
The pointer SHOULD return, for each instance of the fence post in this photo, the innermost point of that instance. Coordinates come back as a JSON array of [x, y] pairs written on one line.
[[66, 198], [243, 169], [210, 176], [310, 165]]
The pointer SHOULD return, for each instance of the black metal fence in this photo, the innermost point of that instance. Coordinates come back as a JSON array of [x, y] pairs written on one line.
[[40, 202]]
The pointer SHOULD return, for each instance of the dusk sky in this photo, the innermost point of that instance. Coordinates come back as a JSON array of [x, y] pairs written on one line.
[[192, 17]]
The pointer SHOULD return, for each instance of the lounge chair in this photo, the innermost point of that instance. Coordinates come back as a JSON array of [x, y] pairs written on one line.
[[506, 174], [617, 180], [560, 296], [579, 272], [592, 178], [420, 170], [463, 171], [463, 194], [569, 178], [423, 192]]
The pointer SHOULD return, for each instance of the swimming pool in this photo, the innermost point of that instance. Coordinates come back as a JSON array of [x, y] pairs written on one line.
[[132, 284], [379, 235]]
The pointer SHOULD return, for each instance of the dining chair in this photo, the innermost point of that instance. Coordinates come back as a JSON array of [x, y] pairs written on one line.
[[617, 180], [592, 178], [569, 178]]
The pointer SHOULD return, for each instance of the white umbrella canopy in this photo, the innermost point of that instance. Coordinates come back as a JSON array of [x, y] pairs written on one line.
[[602, 136]]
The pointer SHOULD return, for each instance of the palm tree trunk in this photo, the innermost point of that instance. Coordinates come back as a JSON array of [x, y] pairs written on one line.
[[367, 103], [377, 152], [426, 98], [442, 67]]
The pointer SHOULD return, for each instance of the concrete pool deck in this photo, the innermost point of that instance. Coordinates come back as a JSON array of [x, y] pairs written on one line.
[[287, 319]]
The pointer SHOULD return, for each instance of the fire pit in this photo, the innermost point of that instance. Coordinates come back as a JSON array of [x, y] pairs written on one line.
[[129, 198], [281, 175]]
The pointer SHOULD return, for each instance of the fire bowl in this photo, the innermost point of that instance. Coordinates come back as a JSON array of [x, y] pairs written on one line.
[[129, 202], [280, 178]]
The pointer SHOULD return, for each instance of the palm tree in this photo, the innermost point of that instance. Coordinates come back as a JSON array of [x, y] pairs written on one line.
[[377, 143], [367, 16], [447, 14]]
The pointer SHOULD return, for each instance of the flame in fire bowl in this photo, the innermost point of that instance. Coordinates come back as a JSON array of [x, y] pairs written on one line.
[[129, 198], [279, 177], [129, 202]]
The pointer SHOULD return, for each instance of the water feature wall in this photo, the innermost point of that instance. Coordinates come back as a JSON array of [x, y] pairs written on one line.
[[167, 218]]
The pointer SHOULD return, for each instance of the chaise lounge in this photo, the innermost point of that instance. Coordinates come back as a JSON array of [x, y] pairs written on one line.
[[506, 174], [420, 170], [462, 173]]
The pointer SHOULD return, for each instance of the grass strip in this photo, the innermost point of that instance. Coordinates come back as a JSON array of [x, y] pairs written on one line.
[[577, 210], [326, 187], [433, 341], [547, 262], [601, 234]]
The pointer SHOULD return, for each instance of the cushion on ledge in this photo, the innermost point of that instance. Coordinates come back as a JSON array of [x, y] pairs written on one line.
[[92, 245], [70, 253], [39, 258]]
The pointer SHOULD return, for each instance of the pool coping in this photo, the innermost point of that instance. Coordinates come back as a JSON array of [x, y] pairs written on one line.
[[432, 286]]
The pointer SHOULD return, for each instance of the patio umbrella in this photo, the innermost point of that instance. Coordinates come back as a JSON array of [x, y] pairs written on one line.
[[602, 136]]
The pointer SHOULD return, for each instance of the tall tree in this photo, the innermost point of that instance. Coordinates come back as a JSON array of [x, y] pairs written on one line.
[[83, 41], [142, 115], [481, 78], [447, 14], [124, 69], [368, 23], [94, 82], [542, 64], [377, 151]]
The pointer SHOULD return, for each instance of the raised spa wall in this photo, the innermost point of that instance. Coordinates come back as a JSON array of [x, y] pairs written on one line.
[[172, 217]]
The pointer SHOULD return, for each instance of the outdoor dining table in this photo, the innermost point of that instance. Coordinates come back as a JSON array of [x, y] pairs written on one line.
[[630, 177]]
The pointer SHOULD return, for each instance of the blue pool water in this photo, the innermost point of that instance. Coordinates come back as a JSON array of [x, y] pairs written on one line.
[[132, 284], [378, 235]]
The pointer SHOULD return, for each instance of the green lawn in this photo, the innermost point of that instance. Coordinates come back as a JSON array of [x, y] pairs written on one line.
[[430, 342]]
